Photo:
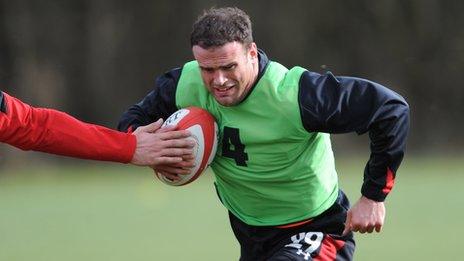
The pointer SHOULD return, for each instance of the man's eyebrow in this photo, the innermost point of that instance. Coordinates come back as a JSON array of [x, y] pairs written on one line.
[[221, 66], [228, 65], [206, 67]]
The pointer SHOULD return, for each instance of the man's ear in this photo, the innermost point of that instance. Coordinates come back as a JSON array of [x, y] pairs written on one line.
[[253, 51]]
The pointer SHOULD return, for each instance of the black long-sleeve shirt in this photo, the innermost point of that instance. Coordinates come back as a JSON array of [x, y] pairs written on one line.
[[327, 104]]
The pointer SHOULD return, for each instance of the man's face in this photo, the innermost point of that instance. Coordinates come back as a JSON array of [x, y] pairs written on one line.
[[228, 71]]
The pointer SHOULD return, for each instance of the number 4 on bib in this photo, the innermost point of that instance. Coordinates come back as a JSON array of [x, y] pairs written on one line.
[[232, 146]]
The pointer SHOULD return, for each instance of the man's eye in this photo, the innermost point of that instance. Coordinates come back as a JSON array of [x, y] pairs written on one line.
[[229, 67], [208, 70]]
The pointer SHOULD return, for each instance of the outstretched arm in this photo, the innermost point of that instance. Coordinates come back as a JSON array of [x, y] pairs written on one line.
[[52, 131]]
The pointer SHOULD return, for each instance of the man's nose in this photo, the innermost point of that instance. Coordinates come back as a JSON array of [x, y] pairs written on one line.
[[219, 78]]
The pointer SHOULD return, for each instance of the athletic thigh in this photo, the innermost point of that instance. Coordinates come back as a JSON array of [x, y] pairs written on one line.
[[319, 239], [316, 246]]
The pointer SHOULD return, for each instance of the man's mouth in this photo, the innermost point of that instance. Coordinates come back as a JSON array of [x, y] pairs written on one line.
[[223, 89]]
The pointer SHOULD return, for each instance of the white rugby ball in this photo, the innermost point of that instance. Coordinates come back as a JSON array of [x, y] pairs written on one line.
[[204, 130]]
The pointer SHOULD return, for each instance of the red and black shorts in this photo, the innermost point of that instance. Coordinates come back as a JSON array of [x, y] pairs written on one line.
[[316, 239]]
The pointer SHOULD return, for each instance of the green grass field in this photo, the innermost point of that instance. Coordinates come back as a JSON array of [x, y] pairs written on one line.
[[96, 211]]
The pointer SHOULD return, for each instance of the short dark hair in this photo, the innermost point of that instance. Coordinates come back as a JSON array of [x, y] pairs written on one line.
[[218, 26]]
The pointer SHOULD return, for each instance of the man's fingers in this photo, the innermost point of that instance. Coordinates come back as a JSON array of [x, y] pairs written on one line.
[[179, 143], [378, 227], [361, 229], [171, 134], [170, 176], [167, 128], [174, 170], [188, 157], [152, 127], [347, 224], [370, 229], [168, 160], [185, 164], [365, 216], [176, 152], [346, 230]]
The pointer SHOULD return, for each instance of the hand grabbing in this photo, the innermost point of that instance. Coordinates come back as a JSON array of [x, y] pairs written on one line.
[[160, 146]]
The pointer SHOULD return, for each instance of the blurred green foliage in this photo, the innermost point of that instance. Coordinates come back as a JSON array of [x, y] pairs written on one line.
[[93, 59]]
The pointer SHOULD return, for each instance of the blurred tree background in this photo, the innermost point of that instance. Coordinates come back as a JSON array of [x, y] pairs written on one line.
[[94, 58]]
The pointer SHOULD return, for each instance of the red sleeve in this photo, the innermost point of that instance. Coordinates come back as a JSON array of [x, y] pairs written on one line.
[[55, 132]]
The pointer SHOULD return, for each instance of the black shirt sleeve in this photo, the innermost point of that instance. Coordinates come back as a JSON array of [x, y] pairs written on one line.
[[159, 103], [345, 104]]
